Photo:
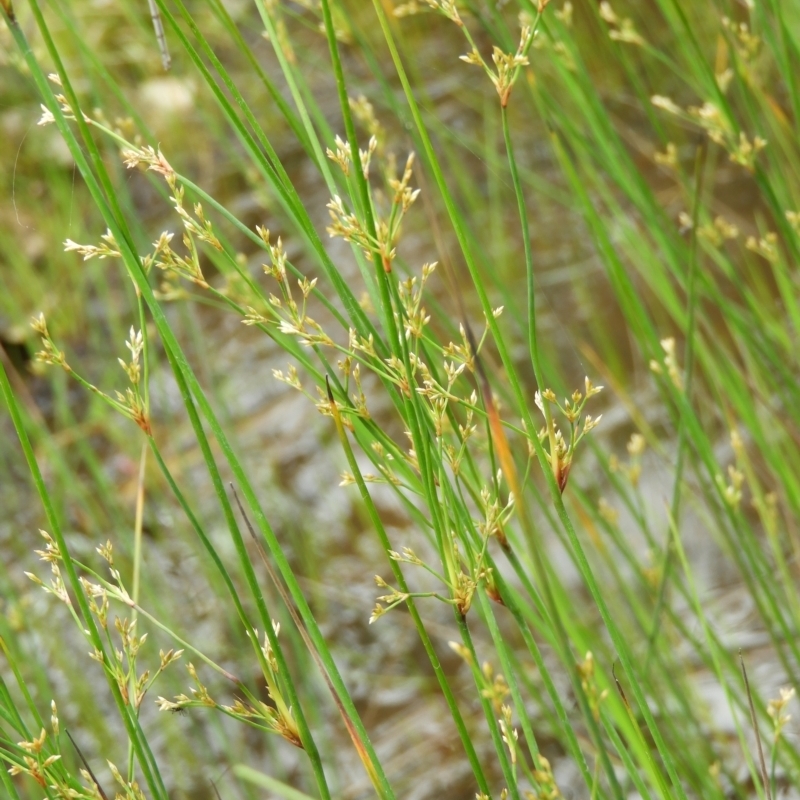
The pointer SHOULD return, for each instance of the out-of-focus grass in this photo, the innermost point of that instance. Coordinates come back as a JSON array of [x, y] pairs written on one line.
[[648, 158]]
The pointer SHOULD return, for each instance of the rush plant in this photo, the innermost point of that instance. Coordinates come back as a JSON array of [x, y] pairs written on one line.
[[386, 244]]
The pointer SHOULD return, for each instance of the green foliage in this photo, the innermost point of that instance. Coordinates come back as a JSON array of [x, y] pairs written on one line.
[[612, 198]]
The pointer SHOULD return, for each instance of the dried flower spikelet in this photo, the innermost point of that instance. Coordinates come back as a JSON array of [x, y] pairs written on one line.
[[462, 652], [746, 43], [167, 705], [364, 113], [341, 155], [685, 222], [473, 57], [254, 317], [47, 116], [263, 234], [633, 470], [106, 552], [56, 586], [409, 9], [717, 125], [543, 775], [793, 218], [732, 488], [591, 389], [608, 512], [509, 733], [724, 79], [494, 688], [447, 8], [736, 443], [404, 195], [715, 234], [766, 246], [132, 790], [620, 30], [776, 710], [135, 344], [200, 693], [365, 156], [347, 226], [346, 479], [148, 157], [290, 379], [744, 151], [170, 657], [35, 767], [670, 362], [561, 450], [93, 591], [636, 445], [669, 158], [607, 13], [267, 650], [626, 33], [463, 589], [35, 745], [39, 324], [506, 65], [565, 14], [392, 598], [710, 118], [54, 718], [408, 557], [109, 248], [51, 553], [586, 671], [664, 103]]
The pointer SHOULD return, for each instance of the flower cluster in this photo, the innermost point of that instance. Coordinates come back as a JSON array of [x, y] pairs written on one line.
[[277, 718], [462, 576], [132, 403], [620, 30], [562, 450], [669, 363], [776, 708], [719, 128], [507, 66], [348, 226]]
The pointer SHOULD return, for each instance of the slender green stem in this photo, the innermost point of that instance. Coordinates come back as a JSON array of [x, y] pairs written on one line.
[[447, 691], [143, 756], [689, 352]]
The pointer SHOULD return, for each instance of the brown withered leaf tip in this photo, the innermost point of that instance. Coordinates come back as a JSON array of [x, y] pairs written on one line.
[[619, 686]]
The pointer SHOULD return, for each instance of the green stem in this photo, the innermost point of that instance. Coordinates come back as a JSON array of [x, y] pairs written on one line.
[[135, 735], [466, 739]]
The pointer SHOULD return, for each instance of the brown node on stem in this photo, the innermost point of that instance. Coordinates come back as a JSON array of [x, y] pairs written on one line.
[[562, 476]]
